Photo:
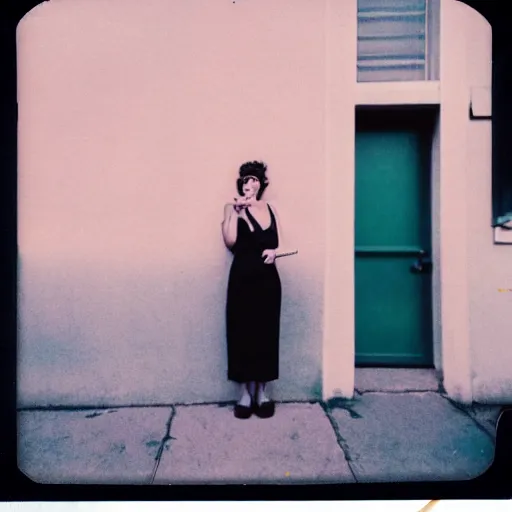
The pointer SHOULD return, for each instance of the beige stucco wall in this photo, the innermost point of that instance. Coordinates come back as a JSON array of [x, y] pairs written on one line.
[[476, 317], [338, 347], [134, 117], [489, 265], [132, 126], [453, 186]]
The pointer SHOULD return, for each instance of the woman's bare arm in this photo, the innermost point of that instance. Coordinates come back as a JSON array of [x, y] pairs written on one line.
[[230, 226]]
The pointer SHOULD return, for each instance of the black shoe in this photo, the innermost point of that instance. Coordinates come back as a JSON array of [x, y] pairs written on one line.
[[265, 410], [243, 412]]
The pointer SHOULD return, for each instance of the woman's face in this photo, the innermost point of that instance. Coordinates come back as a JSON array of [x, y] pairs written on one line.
[[250, 186]]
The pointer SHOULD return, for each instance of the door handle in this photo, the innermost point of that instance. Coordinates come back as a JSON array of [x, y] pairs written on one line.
[[423, 265]]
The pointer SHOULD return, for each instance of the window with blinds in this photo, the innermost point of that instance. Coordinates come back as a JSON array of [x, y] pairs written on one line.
[[398, 40]]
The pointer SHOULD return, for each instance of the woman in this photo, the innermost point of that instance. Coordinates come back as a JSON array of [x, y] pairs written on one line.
[[250, 230]]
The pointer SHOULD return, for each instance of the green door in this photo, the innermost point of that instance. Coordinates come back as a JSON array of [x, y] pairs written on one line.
[[393, 303]]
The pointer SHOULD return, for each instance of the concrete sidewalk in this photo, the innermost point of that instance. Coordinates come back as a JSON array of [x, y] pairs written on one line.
[[377, 437]]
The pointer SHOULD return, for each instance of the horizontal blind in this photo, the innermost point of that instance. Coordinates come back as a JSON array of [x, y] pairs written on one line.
[[392, 40]]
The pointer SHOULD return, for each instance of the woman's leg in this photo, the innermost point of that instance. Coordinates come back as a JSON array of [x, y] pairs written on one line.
[[265, 408], [248, 390], [262, 397]]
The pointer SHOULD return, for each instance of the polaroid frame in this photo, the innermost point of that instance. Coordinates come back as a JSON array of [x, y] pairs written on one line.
[[18, 487]]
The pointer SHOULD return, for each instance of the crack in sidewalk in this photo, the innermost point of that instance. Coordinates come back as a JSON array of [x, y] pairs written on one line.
[[161, 448], [342, 443]]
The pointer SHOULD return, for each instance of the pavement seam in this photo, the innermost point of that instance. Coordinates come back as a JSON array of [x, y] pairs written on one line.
[[392, 392], [167, 437], [463, 410], [71, 408], [339, 438]]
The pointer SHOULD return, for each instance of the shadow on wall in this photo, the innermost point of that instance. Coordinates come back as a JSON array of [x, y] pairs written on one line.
[[96, 334]]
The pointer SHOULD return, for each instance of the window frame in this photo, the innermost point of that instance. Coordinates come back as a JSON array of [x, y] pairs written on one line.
[[431, 45]]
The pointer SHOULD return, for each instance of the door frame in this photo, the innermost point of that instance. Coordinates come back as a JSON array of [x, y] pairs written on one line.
[[450, 216]]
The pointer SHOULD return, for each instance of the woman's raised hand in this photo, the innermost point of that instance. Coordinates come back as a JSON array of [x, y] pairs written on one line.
[[241, 202]]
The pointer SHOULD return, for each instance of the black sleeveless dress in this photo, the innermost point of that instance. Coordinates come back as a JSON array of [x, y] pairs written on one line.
[[253, 307]]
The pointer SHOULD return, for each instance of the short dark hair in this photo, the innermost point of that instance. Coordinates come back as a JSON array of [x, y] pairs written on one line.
[[256, 169]]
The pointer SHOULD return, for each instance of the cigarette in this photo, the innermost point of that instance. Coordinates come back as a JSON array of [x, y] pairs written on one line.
[[282, 254]]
